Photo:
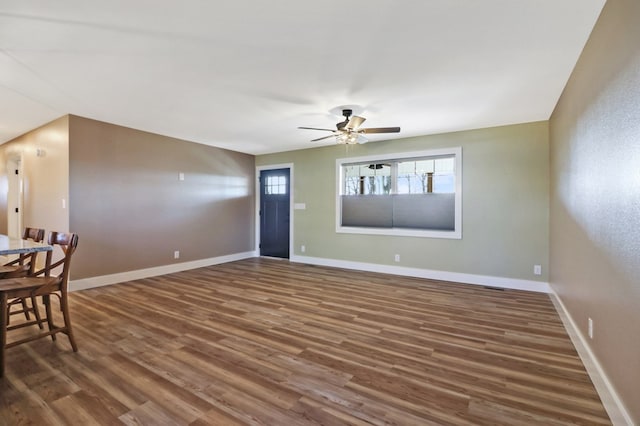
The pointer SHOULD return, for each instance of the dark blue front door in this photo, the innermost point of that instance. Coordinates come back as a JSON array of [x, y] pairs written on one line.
[[274, 213]]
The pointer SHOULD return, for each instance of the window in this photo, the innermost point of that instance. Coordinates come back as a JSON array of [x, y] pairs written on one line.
[[414, 194], [275, 185]]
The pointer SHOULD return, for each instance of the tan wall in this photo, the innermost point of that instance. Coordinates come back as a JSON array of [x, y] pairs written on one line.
[[45, 177], [595, 196], [505, 178], [131, 211]]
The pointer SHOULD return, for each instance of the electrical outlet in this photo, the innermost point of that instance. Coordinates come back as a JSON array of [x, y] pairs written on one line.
[[537, 269], [590, 328], [176, 254], [303, 249], [397, 258]]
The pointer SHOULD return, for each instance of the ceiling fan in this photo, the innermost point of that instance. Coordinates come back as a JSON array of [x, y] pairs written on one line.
[[349, 130]]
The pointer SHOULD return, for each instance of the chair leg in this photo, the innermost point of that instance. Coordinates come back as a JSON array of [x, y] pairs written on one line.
[[47, 305], [36, 311], [25, 308], [64, 304]]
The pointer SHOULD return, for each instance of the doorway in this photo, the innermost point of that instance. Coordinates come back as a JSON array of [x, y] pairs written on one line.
[[274, 213], [14, 197]]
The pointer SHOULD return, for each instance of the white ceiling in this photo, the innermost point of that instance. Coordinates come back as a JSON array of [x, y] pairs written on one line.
[[244, 75]]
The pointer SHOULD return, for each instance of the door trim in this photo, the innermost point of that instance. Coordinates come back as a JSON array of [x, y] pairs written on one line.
[[15, 195], [257, 204]]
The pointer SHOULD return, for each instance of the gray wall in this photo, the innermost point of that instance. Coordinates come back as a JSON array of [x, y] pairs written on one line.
[[595, 196], [505, 200], [131, 211]]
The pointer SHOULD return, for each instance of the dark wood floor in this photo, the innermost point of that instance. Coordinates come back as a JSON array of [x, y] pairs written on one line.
[[266, 342]]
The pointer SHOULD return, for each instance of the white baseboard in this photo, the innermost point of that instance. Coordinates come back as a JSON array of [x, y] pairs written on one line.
[[484, 280], [612, 403], [85, 283], [501, 282]]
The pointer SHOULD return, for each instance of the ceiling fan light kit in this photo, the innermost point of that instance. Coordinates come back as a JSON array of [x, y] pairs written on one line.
[[350, 138], [349, 132]]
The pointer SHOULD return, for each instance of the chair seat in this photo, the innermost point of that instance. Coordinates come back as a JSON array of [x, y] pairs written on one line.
[[6, 269], [26, 287]]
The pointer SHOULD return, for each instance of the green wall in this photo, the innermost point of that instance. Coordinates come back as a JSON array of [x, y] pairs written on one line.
[[505, 204]]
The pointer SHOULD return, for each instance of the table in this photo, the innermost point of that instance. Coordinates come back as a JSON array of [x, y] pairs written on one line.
[[19, 246]]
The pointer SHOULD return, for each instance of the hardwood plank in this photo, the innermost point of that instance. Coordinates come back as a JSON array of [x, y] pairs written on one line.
[[149, 413], [71, 410], [217, 417]]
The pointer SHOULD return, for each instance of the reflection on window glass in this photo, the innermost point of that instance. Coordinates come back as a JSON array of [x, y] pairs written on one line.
[[371, 179], [275, 185], [413, 176], [425, 176]]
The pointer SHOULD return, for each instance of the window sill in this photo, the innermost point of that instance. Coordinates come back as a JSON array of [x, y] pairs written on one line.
[[400, 232]]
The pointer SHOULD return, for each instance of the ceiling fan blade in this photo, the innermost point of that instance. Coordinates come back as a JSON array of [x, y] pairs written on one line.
[[355, 122], [319, 139], [316, 128], [380, 130]]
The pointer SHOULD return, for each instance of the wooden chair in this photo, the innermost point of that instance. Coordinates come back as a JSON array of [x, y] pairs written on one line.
[[42, 283], [23, 266]]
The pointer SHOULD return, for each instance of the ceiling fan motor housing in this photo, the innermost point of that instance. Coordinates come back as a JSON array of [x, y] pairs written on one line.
[[346, 113]]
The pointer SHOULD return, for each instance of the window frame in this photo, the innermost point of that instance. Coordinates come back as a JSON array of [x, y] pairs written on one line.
[[281, 187], [424, 233]]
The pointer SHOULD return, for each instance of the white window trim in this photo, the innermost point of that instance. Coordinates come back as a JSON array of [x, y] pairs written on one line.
[[455, 234]]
